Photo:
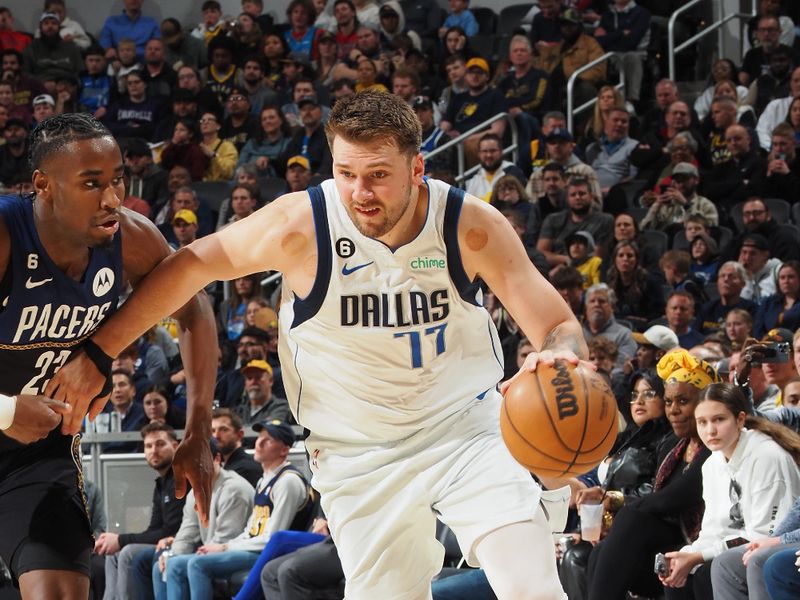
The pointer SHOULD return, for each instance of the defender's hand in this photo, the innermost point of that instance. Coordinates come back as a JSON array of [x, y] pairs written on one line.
[[193, 462], [78, 383], [35, 417]]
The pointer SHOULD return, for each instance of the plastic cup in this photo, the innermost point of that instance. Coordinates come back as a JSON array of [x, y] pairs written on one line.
[[591, 521]]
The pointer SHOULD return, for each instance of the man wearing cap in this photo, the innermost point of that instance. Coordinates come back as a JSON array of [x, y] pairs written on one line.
[[14, 153], [69, 29], [261, 403], [158, 75], [43, 106], [560, 146], [776, 374], [676, 202], [49, 56], [251, 80], [476, 105], [298, 173], [493, 167], [181, 49], [432, 136], [303, 87], [282, 501], [132, 25], [240, 124], [527, 93], [654, 343], [762, 271], [310, 141], [184, 226]]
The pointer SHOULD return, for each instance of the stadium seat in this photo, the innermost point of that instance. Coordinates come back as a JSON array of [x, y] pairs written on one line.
[[633, 190], [270, 188], [655, 239], [487, 20], [510, 18], [637, 212], [796, 213], [779, 208], [213, 192], [483, 44]]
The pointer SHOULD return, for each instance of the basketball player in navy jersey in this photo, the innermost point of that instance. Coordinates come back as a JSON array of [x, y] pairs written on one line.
[[66, 255], [388, 357]]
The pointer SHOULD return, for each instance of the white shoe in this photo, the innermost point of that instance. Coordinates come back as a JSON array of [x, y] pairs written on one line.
[[555, 504]]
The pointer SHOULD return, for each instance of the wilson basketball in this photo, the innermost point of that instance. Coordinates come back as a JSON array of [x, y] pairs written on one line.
[[560, 420]]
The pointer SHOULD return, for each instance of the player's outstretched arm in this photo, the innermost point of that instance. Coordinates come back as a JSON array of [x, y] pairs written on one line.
[[492, 250]]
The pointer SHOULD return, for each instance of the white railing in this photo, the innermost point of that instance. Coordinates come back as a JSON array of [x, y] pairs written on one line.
[[717, 26], [571, 110]]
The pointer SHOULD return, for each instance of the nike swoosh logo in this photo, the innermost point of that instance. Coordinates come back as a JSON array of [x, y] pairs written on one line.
[[346, 271], [34, 284]]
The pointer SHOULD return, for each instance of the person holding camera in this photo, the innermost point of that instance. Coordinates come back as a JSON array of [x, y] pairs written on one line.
[[783, 165], [676, 199]]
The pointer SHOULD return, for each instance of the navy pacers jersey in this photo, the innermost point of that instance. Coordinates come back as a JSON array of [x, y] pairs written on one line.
[[44, 316]]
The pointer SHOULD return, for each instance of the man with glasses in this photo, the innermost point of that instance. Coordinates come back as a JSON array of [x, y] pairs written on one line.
[[240, 124], [757, 218], [756, 61]]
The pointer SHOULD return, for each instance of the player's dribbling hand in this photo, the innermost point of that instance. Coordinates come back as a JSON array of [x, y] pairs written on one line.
[[193, 463], [35, 417], [78, 383], [545, 357]]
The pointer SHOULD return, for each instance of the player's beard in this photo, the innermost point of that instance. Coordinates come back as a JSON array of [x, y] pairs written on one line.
[[390, 213]]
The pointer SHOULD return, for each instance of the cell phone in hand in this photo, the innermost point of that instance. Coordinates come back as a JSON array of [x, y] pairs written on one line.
[[660, 567]]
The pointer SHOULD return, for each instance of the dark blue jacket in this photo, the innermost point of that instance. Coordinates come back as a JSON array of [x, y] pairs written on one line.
[[634, 19], [770, 311]]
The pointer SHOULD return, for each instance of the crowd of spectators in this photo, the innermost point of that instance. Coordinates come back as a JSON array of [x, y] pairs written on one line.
[[666, 220]]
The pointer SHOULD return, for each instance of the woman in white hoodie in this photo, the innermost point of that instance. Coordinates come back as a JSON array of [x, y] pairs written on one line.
[[749, 482]]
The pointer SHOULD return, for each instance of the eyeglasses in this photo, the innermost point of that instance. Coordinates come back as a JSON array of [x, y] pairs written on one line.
[[645, 396], [208, 120], [753, 213], [768, 29], [237, 98]]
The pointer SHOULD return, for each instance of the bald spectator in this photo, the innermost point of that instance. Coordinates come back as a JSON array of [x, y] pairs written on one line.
[[610, 156], [599, 321], [131, 24], [777, 111], [731, 280], [757, 218], [666, 93], [761, 278], [739, 176], [50, 57], [158, 75], [181, 48], [581, 214]]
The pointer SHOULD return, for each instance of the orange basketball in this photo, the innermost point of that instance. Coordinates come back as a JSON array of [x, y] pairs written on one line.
[[560, 420]]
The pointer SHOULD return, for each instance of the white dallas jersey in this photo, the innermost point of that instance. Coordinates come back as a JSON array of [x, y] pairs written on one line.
[[387, 342]]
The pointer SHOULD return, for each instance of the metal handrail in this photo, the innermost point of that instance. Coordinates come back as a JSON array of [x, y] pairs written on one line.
[[717, 25], [457, 142], [571, 111]]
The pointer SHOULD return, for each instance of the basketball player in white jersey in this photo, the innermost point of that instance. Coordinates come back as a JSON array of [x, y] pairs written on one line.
[[388, 357]]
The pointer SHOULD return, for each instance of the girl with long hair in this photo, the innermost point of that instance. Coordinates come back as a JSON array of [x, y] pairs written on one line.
[[268, 144], [781, 309], [749, 482], [639, 295]]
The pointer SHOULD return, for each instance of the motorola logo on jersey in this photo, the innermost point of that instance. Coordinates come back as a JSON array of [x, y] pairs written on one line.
[[423, 263], [395, 310], [59, 322], [103, 282]]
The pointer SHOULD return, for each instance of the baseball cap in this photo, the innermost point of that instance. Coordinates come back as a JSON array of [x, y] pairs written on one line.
[[684, 168], [779, 334], [259, 364], [582, 237], [49, 15], [299, 160], [422, 102], [477, 63], [309, 99], [756, 240], [326, 36], [659, 336], [558, 134], [277, 430], [185, 215], [44, 99], [570, 15]]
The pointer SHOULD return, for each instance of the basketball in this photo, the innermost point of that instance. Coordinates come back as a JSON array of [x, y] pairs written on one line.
[[559, 421]]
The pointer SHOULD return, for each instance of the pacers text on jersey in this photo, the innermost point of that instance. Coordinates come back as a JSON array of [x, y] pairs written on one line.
[[64, 322], [396, 310]]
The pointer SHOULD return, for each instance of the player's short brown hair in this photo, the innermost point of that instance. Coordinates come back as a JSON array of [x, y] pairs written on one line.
[[376, 117]]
